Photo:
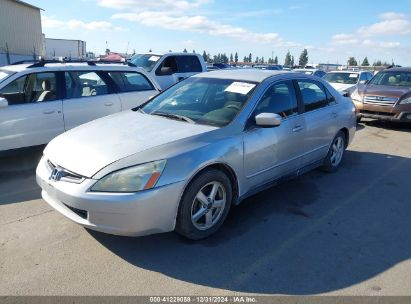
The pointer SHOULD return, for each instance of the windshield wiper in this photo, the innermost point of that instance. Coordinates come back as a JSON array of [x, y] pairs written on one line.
[[174, 116]]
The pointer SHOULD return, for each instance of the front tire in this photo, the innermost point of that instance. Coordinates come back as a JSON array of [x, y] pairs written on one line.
[[336, 153], [204, 205]]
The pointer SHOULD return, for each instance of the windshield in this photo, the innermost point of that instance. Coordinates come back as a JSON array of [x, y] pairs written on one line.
[[5, 74], [345, 78], [392, 78], [146, 62], [202, 100]]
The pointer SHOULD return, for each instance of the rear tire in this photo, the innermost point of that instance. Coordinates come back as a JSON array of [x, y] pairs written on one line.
[[204, 205], [336, 153]]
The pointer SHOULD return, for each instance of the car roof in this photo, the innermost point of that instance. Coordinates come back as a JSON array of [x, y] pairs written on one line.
[[253, 75], [347, 72], [398, 69], [169, 53]]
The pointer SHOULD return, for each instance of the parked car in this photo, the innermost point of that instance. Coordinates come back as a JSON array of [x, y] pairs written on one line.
[[39, 101], [273, 67], [314, 72], [346, 81], [170, 68], [387, 96], [182, 159]]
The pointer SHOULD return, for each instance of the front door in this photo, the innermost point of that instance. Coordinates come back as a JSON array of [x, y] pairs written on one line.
[[34, 114], [270, 153]]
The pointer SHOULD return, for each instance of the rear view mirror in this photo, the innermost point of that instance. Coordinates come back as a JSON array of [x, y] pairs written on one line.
[[3, 102], [166, 71], [268, 120]]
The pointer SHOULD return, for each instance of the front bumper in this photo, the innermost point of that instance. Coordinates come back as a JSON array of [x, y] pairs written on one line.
[[129, 214], [388, 113]]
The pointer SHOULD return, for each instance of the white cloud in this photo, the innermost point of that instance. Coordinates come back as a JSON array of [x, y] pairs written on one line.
[[391, 24], [144, 5], [73, 24], [202, 24]]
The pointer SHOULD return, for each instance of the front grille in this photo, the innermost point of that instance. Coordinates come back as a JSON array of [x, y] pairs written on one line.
[[377, 113], [65, 175], [81, 213], [381, 101]]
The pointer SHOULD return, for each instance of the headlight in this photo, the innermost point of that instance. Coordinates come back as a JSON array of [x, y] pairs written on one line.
[[133, 179], [406, 101], [356, 96]]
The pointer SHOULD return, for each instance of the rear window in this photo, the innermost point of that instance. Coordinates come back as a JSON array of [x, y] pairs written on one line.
[[189, 64], [131, 81]]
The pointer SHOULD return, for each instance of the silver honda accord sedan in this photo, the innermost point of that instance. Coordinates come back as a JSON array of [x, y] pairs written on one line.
[[180, 161]]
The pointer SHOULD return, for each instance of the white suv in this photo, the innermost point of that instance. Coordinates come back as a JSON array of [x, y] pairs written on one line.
[[41, 100]]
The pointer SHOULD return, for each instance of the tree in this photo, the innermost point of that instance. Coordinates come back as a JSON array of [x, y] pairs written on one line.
[[303, 58], [150, 50], [194, 51], [365, 62], [287, 60], [352, 62], [262, 60], [185, 51], [245, 59], [205, 56], [250, 58], [377, 63], [276, 60], [236, 57], [231, 57], [257, 60]]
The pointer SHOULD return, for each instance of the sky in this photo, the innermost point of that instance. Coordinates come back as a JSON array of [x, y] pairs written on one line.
[[331, 30]]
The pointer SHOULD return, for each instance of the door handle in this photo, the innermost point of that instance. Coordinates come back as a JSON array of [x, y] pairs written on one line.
[[108, 104], [298, 128], [49, 112]]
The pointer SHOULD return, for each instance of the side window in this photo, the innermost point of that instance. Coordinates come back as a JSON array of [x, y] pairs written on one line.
[[363, 77], [279, 99], [169, 62], [14, 91], [39, 87], [313, 95], [84, 84], [131, 81], [189, 64], [369, 76]]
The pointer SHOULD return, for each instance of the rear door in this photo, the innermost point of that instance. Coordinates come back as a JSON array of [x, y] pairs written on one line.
[[270, 153], [88, 96], [133, 88], [34, 114], [320, 119]]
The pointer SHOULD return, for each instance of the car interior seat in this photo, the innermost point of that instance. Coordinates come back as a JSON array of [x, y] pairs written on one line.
[[46, 94]]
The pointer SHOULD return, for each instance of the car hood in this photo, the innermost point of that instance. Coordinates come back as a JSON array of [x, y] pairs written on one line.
[[384, 91], [87, 149], [342, 86]]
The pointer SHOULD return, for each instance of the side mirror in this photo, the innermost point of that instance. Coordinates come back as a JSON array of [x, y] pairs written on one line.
[[268, 120], [363, 81], [166, 71], [3, 102]]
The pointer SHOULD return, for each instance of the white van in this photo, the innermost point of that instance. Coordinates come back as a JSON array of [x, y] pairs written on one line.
[[39, 101], [170, 68]]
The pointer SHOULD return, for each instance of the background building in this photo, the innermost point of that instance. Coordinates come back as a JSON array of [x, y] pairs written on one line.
[[56, 48], [20, 32]]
